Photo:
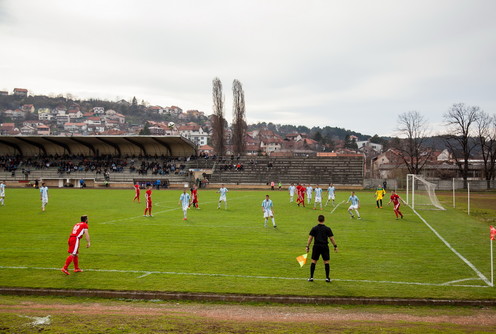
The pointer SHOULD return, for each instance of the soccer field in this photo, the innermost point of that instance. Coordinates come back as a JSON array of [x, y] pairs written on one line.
[[230, 251]]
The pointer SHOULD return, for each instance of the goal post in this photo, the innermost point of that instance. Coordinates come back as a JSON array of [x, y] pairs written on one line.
[[421, 193]]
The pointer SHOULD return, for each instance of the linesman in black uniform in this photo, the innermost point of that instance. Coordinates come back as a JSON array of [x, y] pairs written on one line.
[[321, 233]]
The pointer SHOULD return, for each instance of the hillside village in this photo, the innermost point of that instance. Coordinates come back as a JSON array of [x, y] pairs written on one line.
[[25, 115], [74, 118]]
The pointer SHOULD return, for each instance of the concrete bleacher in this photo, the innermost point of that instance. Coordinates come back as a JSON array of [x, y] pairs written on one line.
[[344, 171], [340, 170]]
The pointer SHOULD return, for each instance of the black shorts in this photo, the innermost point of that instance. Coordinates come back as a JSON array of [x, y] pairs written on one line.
[[319, 250]]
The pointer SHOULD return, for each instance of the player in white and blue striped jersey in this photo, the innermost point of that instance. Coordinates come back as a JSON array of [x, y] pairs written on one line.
[[267, 208]]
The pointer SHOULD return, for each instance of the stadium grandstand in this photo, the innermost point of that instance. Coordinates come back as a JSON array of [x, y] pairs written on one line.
[[119, 161]]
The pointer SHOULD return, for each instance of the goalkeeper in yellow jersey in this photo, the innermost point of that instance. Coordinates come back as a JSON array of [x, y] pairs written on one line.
[[379, 195]]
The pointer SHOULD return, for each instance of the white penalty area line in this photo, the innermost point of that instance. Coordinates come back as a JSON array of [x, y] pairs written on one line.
[[145, 273], [482, 277], [337, 206]]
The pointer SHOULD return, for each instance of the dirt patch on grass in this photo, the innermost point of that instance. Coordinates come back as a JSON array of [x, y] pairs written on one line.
[[266, 314]]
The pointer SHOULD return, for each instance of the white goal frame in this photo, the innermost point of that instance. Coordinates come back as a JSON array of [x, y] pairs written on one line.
[[412, 182]]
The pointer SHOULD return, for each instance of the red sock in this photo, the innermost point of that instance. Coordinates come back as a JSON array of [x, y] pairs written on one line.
[[76, 262], [68, 261]]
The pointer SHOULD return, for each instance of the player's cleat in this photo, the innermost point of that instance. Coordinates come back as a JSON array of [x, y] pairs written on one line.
[[185, 218], [78, 270], [328, 280], [352, 217], [381, 207], [65, 271], [275, 226], [359, 217], [310, 279], [401, 217]]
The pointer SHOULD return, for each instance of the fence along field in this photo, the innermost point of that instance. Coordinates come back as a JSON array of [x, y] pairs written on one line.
[[229, 251]]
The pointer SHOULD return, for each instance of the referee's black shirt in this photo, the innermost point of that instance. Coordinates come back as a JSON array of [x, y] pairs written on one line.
[[321, 234]]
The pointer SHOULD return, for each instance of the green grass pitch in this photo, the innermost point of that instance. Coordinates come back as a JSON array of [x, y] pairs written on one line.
[[230, 251]]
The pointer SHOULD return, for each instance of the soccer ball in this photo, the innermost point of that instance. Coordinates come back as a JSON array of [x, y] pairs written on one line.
[[171, 125]]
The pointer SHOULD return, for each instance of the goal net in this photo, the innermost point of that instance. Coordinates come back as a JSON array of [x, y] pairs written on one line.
[[421, 193]]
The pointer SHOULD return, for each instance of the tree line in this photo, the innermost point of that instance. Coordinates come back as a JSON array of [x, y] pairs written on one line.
[[469, 131]]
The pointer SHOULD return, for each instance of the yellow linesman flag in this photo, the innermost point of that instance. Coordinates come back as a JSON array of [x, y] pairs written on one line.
[[302, 259]]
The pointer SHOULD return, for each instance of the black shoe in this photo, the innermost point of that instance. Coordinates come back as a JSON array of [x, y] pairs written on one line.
[[275, 226], [310, 279], [328, 280]]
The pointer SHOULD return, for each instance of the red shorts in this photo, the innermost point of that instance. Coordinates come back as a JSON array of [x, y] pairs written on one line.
[[148, 204], [73, 243]]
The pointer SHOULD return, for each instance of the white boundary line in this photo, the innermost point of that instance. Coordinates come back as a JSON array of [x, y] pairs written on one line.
[[147, 273], [482, 277]]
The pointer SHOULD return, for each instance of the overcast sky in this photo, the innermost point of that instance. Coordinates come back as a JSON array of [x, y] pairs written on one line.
[[350, 64]]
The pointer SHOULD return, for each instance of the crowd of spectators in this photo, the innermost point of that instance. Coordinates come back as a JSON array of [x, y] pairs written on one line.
[[99, 165]]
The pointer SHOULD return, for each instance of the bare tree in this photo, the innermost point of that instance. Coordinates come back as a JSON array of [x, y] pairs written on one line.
[[486, 136], [412, 148], [218, 135], [239, 122], [460, 138]]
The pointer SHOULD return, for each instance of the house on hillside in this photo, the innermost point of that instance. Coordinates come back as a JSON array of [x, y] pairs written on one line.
[[74, 114], [43, 130], [4, 93], [75, 127], [365, 146], [98, 110], [27, 108], [156, 109], [8, 129], [28, 130], [44, 114], [62, 119], [20, 92]]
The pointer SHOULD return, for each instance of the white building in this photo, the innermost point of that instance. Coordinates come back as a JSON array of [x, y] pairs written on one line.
[[195, 133]]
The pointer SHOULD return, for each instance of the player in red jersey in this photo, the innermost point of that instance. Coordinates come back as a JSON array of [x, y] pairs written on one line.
[[194, 197], [396, 202], [136, 192], [301, 195], [298, 194], [148, 197], [77, 233]]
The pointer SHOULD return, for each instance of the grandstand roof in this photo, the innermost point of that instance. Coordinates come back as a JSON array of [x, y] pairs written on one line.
[[96, 145]]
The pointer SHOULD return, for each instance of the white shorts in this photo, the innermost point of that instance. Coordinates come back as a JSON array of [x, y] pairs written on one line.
[[331, 197], [268, 213], [223, 198], [44, 201], [353, 207], [185, 207], [318, 199]]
